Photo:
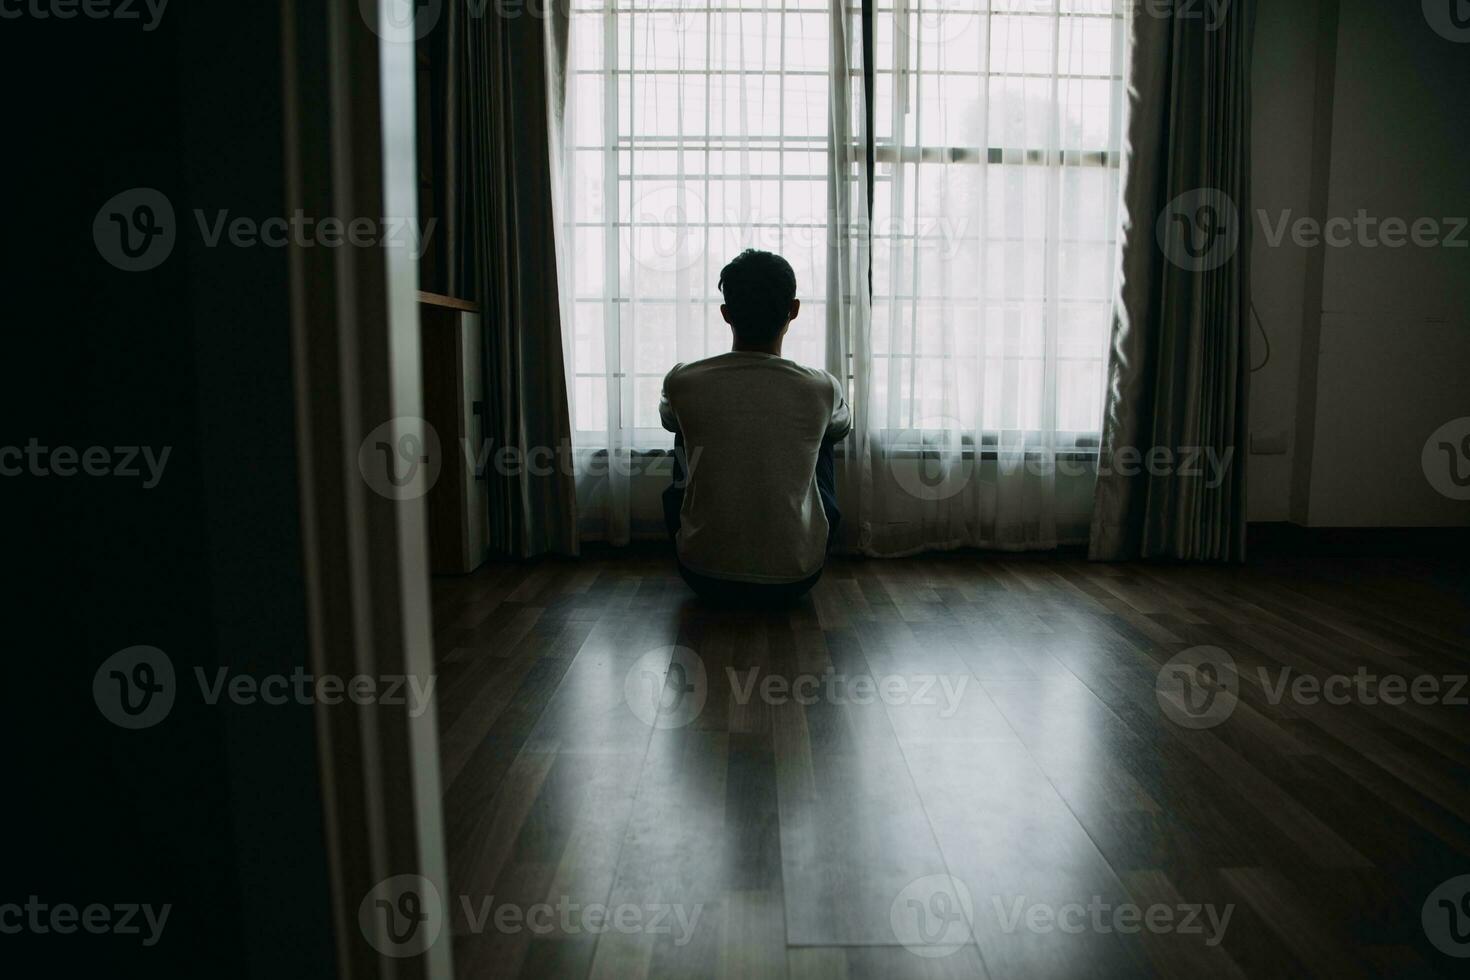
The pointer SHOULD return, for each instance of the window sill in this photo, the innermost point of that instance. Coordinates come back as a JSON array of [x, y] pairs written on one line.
[[1076, 453]]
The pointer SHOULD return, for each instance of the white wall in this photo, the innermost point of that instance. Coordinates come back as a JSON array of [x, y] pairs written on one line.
[[1284, 100], [1371, 343]]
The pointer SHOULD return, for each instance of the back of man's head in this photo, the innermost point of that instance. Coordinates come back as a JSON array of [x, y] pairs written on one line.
[[759, 288]]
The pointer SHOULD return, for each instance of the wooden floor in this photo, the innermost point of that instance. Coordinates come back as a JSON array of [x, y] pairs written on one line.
[[1015, 800]]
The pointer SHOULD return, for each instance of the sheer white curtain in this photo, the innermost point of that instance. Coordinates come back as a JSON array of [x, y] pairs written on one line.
[[997, 130], [695, 128]]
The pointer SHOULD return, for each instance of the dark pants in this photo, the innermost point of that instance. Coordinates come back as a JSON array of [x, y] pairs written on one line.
[[725, 591]]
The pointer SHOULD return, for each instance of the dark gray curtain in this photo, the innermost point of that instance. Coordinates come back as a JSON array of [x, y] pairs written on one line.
[[512, 264], [1171, 467]]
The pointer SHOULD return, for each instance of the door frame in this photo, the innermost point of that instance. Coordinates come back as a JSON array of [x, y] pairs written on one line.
[[350, 152]]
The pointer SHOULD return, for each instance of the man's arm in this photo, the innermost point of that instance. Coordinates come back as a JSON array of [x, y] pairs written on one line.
[[665, 410], [841, 422]]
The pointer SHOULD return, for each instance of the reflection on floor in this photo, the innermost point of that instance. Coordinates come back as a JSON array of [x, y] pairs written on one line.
[[967, 766]]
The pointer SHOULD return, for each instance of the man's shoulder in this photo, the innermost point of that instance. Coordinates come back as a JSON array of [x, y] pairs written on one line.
[[799, 374], [697, 366], [816, 377], [806, 370], [687, 371]]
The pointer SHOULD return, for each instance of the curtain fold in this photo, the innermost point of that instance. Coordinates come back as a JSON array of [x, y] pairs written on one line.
[[1171, 480], [512, 264]]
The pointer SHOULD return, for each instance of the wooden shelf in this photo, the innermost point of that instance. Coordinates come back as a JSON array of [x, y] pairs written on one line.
[[448, 302]]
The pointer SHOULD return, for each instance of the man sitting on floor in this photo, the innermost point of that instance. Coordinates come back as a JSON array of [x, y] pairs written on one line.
[[755, 515]]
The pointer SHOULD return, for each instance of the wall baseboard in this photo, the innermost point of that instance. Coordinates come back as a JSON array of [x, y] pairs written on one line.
[[1284, 539]]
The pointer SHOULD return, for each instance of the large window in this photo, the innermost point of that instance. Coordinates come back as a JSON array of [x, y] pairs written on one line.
[[695, 129], [699, 130], [997, 128]]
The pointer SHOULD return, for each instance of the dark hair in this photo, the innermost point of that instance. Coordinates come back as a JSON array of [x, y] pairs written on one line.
[[758, 288]]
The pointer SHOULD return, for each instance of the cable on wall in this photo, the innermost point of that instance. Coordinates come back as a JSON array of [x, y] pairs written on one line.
[[1261, 327]]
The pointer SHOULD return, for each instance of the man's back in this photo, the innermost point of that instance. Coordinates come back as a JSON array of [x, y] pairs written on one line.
[[753, 424]]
